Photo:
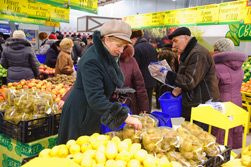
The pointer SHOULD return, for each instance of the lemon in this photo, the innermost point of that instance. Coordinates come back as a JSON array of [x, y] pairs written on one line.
[[109, 163], [149, 161], [119, 163], [82, 139], [123, 146], [87, 162], [69, 143], [100, 165], [97, 144], [101, 148], [100, 157], [136, 146], [90, 153], [78, 158], [163, 162], [45, 153], [54, 151], [116, 139], [124, 155], [133, 163], [111, 150], [75, 148], [85, 146], [140, 155], [94, 162], [103, 138], [63, 151], [95, 135], [70, 156], [128, 141]]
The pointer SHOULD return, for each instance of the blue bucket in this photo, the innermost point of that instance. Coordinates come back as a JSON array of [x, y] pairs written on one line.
[[75, 66], [170, 104], [164, 118], [41, 58], [106, 129]]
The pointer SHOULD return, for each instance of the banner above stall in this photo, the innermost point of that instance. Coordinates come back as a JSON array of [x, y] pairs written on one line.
[[89, 6], [57, 3], [237, 12], [33, 10]]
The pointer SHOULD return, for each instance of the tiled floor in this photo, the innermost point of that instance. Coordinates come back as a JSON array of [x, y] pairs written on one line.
[[177, 122]]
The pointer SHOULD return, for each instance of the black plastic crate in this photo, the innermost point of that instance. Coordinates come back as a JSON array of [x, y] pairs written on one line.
[[217, 161], [27, 159], [55, 123], [26, 131]]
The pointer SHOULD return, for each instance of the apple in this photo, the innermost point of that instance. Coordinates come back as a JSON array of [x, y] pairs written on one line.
[[66, 86], [55, 91], [3, 86], [25, 87], [48, 89], [53, 87], [57, 100], [31, 80], [60, 85], [19, 86], [14, 84], [14, 88], [38, 86], [37, 81], [10, 85], [62, 91], [31, 84], [22, 82]]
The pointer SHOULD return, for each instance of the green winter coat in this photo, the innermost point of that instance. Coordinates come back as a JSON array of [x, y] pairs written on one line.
[[87, 106]]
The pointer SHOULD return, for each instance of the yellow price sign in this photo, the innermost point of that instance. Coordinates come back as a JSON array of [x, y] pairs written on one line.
[[59, 14], [172, 18], [232, 12], [52, 23], [248, 16], [188, 16], [207, 15], [155, 19], [37, 10], [14, 8], [85, 5]]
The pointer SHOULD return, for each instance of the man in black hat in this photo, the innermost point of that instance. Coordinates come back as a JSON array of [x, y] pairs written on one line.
[[196, 78]]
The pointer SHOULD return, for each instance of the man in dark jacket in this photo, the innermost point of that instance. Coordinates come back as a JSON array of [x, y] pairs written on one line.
[[76, 50], [52, 54], [196, 75], [144, 54]]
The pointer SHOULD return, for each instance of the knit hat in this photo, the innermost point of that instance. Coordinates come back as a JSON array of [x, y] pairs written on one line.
[[19, 34], [52, 36], [180, 31], [137, 33], [224, 45], [116, 28]]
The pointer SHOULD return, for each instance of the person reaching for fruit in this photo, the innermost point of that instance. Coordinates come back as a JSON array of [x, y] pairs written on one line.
[[88, 105], [229, 73]]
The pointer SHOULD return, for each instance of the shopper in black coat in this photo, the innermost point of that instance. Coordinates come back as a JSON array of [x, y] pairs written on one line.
[[144, 54], [19, 58], [52, 54]]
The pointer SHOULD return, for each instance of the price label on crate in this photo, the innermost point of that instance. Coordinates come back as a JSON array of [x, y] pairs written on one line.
[[232, 12]]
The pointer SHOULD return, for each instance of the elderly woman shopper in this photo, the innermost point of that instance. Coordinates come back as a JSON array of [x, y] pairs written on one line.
[[19, 58], [229, 72], [98, 75], [64, 64]]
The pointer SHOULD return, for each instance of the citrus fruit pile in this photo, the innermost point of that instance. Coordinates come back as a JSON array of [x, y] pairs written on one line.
[[99, 151], [246, 86]]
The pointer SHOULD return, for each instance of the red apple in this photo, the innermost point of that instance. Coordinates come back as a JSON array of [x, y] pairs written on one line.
[[66, 86], [31, 84], [14, 84], [3, 86], [38, 86], [62, 91], [57, 100], [37, 81], [23, 82], [25, 87]]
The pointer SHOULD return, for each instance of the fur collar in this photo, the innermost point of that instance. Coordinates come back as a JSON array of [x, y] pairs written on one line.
[[127, 53], [230, 56], [188, 48], [112, 67]]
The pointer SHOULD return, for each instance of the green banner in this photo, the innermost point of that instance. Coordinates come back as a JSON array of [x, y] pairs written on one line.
[[89, 6], [57, 3], [239, 32]]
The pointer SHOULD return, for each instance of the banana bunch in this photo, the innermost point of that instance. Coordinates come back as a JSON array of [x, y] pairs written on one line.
[[246, 151], [244, 161]]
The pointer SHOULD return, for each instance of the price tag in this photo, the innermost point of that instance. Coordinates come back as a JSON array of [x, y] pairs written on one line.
[[207, 15]]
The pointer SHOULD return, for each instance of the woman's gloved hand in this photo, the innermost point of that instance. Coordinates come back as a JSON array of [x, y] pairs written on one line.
[[134, 122]]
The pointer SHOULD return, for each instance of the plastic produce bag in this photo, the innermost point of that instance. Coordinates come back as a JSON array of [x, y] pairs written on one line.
[[208, 140], [152, 140], [4, 105], [115, 133], [24, 103], [176, 156], [148, 121], [216, 105], [170, 138], [10, 94], [133, 134], [161, 66], [191, 147], [41, 106]]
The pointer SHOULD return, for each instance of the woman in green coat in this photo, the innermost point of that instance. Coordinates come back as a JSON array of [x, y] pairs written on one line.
[[88, 106]]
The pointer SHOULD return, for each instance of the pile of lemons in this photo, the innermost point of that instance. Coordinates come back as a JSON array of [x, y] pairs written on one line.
[[99, 151]]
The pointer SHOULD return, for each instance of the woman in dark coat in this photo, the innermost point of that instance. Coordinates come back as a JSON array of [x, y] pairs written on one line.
[[52, 54], [98, 75], [134, 79], [19, 58], [229, 74]]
